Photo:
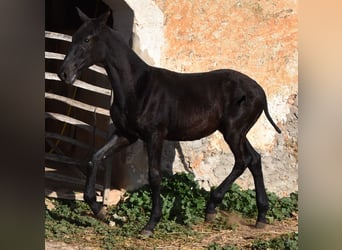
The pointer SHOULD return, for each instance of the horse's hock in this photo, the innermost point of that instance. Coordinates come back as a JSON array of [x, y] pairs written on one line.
[[258, 38]]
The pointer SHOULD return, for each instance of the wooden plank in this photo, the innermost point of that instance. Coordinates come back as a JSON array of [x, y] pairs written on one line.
[[78, 104], [60, 117], [67, 139], [67, 179], [77, 173], [53, 55], [74, 196], [58, 56], [62, 159], [75, 122], [58, 36], [107, 180], [81, 84], [98, 69]]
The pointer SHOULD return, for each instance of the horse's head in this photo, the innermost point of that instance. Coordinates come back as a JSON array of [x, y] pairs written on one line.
[[87, 47]]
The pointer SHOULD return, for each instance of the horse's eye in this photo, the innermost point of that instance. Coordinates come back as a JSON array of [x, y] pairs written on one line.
[[86, 40]]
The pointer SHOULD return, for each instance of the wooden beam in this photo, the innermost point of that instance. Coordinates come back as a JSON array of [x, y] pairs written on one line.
[[75, 122], [78, 104], [58, 56], [62, 159], [58, 36], [67, 179], [74, 196], [53, 55], [81, 84], [67, 139], [75, 170]]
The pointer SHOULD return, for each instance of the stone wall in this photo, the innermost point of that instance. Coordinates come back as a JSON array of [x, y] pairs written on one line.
[[258, 38]]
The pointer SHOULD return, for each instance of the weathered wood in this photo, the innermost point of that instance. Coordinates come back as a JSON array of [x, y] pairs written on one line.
[[58, 56], [75, 196], [53, 55], [58, 36], [75, 122], [77, 173], [62, 159], [49, 174], [80, 84], [67, 139], [98, 69], [77, 104]]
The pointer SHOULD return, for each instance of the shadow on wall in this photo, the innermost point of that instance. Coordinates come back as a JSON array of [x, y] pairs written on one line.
[[169, 154], [130, 165]]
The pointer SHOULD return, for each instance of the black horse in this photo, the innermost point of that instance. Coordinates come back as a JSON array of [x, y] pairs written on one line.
[[155, 104]]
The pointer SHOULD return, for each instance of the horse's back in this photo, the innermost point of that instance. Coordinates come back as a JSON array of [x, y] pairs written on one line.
[[190, 105]]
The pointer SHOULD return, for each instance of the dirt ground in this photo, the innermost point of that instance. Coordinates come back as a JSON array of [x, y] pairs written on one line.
[[241, 233]]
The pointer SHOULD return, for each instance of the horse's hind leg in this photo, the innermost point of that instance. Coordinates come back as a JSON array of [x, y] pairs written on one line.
[[237, 122], [242, 159], [113, 144], [245, 156], [261, 196]]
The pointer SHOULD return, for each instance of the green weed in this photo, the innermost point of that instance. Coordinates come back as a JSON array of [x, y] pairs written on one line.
[[244, 202], [216, 246], [183, 206], [284, 242]]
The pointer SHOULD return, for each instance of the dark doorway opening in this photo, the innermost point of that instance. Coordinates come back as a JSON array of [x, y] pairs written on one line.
[[66, 162]]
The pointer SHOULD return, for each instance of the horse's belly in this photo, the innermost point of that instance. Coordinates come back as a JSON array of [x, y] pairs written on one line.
[[189, 130]]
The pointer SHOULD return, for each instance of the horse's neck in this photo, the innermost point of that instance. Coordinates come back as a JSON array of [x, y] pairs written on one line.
[[124, 68]]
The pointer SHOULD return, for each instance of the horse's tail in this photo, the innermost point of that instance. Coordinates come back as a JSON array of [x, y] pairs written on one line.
[[270, 118]]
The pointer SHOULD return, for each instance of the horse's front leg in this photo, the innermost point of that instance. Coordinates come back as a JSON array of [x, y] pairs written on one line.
[[154, 151], [115, 142]]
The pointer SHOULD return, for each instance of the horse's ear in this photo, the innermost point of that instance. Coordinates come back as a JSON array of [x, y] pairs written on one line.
[[83, 16], [102, 20]]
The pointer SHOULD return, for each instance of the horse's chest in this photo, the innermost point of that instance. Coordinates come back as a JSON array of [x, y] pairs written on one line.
[[124, 121]]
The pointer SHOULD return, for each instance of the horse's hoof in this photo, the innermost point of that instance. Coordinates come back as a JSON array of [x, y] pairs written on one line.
[[210, 217], [260, 224], [146, 233], [102, 214]]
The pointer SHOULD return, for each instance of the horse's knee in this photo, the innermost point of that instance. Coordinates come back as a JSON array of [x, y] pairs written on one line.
[[97, 158], [94, 163]]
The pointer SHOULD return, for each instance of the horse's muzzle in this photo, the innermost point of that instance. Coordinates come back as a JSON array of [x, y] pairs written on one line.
[[66, 77]]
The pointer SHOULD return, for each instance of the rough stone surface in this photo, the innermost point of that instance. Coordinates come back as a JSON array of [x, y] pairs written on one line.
[[258, 38], [148, 35]]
